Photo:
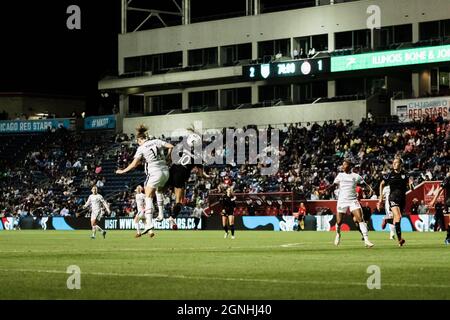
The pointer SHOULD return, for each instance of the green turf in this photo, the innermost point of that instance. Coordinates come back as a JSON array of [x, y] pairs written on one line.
[[203, 265]]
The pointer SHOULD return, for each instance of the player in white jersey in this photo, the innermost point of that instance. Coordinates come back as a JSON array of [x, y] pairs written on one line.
[[388, 219], [140, 210], [151, 151], [96, 202], [348, 200]]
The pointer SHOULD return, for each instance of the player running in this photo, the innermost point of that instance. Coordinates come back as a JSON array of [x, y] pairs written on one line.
[[348, 199], [389, 218], [140, 212], [445, 186], [398, 181], [96, 202], [152, 151]]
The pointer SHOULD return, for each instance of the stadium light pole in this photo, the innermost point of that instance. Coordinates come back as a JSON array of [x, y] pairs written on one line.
[[124, 7], [186, 11]]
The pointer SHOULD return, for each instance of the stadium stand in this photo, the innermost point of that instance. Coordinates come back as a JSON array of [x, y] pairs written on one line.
[[52, 173]]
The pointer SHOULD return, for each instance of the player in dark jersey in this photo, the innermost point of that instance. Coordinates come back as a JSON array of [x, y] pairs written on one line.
[[445, 186], [398, 182], [228, 201], [180, 171]]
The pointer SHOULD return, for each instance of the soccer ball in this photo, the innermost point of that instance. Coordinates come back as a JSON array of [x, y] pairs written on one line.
[[193, 139]]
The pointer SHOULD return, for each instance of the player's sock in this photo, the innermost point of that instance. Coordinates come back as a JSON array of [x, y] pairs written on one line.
[[148, 221], [148, 206], [138, 227], [448, 232], [177, 209], [232, 229], [160, 203], [364, 231], [94, 231], [225, 228], [359, 229], [398, 230], [99, 229], [338, 228], [392, 228]]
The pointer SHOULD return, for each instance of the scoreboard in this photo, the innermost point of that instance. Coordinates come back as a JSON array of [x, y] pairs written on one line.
[[294, 68]]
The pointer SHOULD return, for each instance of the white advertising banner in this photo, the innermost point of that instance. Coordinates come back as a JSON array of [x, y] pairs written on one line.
[[416, 109]]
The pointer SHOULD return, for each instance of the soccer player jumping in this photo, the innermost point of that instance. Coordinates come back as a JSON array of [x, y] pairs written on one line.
[[151, 151]]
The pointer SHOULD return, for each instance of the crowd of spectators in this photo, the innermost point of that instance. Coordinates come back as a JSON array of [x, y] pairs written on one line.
[[310, 155], [42, 184]]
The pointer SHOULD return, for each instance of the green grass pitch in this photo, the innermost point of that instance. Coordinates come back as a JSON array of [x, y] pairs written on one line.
[[192, 265]]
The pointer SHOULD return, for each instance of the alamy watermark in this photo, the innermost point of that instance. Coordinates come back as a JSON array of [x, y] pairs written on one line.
[[74, 280], [74, 20], [374, 20], [374, 280], [233, 147]]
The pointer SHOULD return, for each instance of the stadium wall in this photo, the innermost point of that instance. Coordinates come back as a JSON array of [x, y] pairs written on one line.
[[278, 25], [419, 223], [158, 125]]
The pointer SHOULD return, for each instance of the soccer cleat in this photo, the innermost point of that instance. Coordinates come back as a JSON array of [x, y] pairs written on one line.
[[337, 240], [160, 217], [151, 234], [368, 244], [104, 234], [401, 242], [92, 237], [447, 241], [137, 235], [225, 235], [392, 237], [232, 237], [175, 227], [383, 224]]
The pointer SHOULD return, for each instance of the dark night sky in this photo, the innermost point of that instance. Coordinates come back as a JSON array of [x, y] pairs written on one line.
[[39, 54]]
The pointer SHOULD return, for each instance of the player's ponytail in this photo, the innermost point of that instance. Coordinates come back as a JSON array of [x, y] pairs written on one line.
[[141, 132]]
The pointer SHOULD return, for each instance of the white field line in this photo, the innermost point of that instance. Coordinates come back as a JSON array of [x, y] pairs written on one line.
[[209, 278], [346, 243]]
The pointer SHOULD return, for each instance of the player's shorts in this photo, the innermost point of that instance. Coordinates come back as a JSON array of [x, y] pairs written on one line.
[[179, 176], [397, 201], [344, 205], [96, 216], [157, 179], [228, 213]]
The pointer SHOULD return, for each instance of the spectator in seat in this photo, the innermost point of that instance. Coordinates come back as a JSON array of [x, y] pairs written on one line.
[[415, 206], [423, 208]]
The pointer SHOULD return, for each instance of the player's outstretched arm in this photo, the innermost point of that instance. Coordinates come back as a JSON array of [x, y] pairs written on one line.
[[88, 203], [382, 183], [372, 192], [130, 167]]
